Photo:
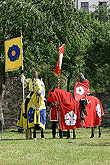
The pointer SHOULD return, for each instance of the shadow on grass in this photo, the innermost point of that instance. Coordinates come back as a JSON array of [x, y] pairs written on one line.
[[6, 139], [69, 141], [24, 132], [95, 144], [16, 139]]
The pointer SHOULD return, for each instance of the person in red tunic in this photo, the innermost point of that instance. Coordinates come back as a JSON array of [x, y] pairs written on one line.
[[86, 82]]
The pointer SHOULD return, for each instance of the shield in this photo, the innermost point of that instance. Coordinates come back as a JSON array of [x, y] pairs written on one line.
[[80, 91]]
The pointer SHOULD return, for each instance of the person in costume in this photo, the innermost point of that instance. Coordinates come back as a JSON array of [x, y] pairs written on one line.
[[38, 104], [30, 83], [34, 102], [86, 82]]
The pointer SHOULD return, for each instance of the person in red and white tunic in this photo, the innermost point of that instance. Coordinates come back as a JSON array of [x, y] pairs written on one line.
[[85, 82]]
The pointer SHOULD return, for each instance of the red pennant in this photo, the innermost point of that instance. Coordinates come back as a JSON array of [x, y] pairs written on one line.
[[60, 58]]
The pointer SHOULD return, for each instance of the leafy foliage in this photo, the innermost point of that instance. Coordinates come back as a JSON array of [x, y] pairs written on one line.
[[47, 23]]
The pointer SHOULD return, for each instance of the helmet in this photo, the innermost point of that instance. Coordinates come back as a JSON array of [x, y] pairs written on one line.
[[34, 74], [81, 77]]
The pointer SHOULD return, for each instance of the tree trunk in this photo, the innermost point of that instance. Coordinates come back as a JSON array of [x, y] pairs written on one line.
[[68, 81], [68, 84]]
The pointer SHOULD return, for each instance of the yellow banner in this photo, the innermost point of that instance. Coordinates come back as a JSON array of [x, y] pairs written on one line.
[[13, 54]]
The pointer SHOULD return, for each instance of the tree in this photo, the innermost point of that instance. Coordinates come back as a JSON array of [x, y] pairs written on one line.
[[64, 21], [45, 24], [98, 60]]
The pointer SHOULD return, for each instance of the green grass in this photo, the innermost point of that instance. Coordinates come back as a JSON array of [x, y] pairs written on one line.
[[16, 150]]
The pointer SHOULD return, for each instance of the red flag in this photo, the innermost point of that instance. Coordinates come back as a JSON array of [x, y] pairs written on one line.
[[60, 58]]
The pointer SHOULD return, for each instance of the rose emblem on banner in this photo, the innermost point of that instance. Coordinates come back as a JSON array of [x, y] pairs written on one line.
[[98, 110], [80, 90], [70, 118]]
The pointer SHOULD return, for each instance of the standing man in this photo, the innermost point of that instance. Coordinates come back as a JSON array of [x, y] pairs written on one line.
[[38, 104], [34, 85], [30, 83]]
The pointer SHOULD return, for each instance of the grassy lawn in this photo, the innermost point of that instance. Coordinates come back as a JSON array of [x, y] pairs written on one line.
[[16, 150]]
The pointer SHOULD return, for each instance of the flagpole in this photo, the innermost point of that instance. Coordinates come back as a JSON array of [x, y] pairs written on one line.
[[27, 130], [22, 73], [59, 70]]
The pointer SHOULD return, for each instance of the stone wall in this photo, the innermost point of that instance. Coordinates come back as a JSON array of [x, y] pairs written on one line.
[[13, 99], [11, 102], [105, 100]]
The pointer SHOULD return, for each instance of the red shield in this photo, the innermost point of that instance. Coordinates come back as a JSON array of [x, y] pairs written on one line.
[[80, 91]]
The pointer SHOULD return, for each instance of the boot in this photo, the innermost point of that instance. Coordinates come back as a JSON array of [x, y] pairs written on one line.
[[42, 134], [68, 134], [53, 128], [82, 115], [60, 133], [83, 109], [82, 122]]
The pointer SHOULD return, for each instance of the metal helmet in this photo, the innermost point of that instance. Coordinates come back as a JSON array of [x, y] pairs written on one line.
[[34, 74], [81, 77]]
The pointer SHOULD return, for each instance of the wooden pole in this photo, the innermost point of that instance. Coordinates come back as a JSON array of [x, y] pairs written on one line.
[[58, 69], [28, 131], [23, 75]]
